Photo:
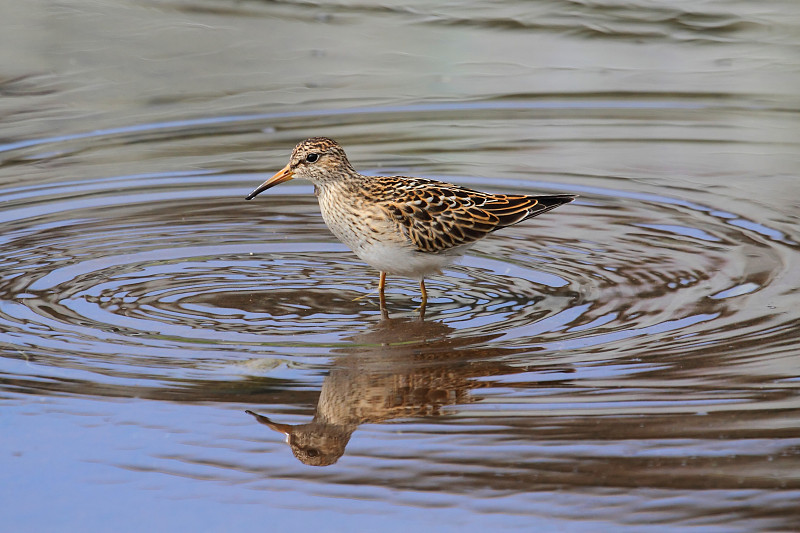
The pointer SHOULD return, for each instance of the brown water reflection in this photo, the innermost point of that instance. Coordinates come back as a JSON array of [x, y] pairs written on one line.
[[412, 370], [402, 368]]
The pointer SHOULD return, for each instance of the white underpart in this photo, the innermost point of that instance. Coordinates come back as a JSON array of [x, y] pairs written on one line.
[[406, 261]]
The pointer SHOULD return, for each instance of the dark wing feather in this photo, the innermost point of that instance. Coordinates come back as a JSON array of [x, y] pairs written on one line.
[[437, 216]]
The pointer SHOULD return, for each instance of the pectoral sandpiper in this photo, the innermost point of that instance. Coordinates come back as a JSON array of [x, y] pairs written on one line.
[[401, 225]]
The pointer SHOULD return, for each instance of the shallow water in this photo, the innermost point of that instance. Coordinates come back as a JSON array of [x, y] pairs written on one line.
[[628, 361]]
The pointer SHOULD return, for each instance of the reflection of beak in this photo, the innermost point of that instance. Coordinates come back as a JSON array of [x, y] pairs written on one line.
[[284, 174], [286, 429]]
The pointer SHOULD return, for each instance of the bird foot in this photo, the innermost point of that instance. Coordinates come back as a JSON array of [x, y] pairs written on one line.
[[367, 295]]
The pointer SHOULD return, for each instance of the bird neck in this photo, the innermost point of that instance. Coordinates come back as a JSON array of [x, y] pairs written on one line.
[[345, 184]]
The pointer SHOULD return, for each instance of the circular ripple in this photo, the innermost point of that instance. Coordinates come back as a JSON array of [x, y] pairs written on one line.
[[131, 274], [179, 274]]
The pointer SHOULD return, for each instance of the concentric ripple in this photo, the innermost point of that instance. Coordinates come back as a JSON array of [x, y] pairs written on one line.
[[149, 269]]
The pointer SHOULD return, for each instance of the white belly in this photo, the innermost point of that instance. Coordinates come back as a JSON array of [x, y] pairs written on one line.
[[405, 261]]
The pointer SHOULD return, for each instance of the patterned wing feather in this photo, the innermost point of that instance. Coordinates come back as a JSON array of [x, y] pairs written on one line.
[[437, 216]]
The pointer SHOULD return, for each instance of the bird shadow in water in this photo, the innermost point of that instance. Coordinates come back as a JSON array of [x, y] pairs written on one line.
[[400, 368]]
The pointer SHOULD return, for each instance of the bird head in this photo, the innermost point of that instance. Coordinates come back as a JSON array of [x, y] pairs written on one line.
[[318, 159]]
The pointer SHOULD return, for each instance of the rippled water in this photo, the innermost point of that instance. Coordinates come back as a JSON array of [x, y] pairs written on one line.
[[628, 361]]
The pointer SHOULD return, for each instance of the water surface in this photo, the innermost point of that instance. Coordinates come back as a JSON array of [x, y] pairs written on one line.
[[626, 362]]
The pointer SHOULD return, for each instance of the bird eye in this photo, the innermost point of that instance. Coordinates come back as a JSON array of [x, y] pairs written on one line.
[[312, 158]]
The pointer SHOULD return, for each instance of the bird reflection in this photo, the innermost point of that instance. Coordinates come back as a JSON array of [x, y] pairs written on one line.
[[400, 368]]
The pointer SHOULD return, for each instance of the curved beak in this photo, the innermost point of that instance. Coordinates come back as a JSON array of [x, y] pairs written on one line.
[[284, 174], [286, 429]]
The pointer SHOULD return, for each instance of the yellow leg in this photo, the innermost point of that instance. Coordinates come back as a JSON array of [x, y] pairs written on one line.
[[421, 307], [381, 285]]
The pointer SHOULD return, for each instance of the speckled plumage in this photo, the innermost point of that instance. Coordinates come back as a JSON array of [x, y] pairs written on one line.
[[402, 225]]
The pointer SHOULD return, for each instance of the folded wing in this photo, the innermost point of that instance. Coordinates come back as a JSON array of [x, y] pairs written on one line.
[[436, 216]]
